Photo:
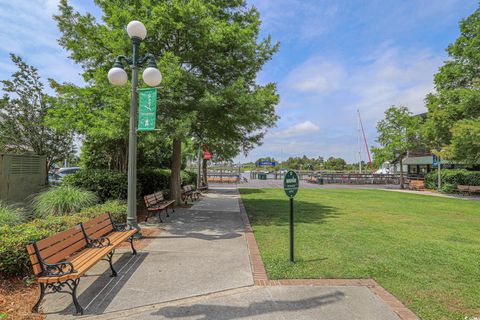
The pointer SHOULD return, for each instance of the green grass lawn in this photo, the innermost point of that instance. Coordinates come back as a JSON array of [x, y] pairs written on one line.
[[423, 249]]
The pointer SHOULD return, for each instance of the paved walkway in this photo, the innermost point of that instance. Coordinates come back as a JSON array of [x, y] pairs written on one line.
[[198, 267]]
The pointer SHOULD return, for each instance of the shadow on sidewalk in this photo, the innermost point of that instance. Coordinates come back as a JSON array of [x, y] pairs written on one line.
[[96, 298], [225, 312], [201, 236]]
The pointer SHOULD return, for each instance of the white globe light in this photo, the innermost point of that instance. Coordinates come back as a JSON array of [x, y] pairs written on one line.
[[117, 76], [152, 76], [136, 29]]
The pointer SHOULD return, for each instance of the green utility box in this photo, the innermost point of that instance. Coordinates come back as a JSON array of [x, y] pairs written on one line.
[[21, 176], [262, 176]]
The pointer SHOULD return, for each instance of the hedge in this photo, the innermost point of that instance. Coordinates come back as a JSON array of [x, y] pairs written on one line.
[[108, 184], [453, 177], [14, 259]]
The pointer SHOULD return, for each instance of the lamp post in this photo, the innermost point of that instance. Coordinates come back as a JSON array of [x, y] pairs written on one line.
[[118, 77]]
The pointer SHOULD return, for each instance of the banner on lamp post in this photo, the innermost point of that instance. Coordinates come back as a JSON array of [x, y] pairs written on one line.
[[206, 154], [147, 111]]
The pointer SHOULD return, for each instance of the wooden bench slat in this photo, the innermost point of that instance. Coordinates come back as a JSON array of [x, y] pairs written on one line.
[[100, 232], [65, 253], [41, 244], [100, 226], [33, 259], [104, 217], [50, 251]]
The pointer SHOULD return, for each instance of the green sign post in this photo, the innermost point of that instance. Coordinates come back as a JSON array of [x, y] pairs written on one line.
[[290, 186], [147, 112]]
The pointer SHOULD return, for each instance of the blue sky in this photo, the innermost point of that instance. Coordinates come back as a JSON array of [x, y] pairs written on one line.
[[336, 56]]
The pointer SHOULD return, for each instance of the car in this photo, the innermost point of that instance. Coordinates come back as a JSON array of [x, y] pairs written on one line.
[[68, 170], [55, 178]]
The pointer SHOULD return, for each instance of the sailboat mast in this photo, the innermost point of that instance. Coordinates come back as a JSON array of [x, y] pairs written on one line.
[[365, 140], [359, 144]]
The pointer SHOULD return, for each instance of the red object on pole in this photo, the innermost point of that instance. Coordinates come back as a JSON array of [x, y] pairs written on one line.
[[206, 154], [366, 144]]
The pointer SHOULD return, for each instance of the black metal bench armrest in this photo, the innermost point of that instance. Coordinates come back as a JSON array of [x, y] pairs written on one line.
[[57, 269], [98, 243]]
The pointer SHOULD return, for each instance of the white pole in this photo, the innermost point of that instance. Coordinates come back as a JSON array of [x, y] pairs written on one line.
[[359, 144]]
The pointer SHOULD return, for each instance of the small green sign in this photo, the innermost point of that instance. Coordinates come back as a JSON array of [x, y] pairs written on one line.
[[147, 112], [290, 184]]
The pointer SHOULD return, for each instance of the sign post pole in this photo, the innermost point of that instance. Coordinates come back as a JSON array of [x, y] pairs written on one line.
[[290, 186], [292, 258]]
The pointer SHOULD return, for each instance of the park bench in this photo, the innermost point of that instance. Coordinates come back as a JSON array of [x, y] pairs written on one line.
[[188, 192], [155, 203], [203, 188], [60, 260], [470, 189]]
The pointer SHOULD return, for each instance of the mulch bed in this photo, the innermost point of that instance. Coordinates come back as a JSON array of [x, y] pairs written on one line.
[[16, 299]]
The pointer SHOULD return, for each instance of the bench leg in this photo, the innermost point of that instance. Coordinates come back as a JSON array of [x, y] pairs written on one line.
[[134, 252], [160, 215], [78, 307], [110, 256], [42, 294], [166, 211]]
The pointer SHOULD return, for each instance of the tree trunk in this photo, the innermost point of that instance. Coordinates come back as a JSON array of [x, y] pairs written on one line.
[[204, 172], [175, 179], [401, 173]]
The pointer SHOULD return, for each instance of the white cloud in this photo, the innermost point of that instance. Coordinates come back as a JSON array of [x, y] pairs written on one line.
[[316, 75], [297, 19], [394, 76], [330, 91], [298, 129]]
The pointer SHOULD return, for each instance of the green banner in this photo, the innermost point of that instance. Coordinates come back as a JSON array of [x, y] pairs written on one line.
[[147, 112]]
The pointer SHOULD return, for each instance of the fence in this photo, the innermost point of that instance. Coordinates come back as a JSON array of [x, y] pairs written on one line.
[[335, 178], [223, 176], [356, 178]]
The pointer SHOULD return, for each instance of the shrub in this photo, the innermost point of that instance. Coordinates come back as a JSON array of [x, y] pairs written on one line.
[[106, 184], [13, 240], [62, 200], [117, 208], [189, 177], [150, 180], [9, 215], [448, 188], [453, 177]]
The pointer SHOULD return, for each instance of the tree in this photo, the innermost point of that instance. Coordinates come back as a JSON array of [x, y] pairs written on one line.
[[398, 132], [22, 117], [453, 120], [337, 164], [209, 54]]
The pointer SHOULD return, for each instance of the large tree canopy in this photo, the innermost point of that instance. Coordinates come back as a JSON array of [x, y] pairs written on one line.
[[23, 108], [209, 53], [453, 122]]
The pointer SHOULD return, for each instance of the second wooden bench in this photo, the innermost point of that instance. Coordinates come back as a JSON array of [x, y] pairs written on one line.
[[155, 203]]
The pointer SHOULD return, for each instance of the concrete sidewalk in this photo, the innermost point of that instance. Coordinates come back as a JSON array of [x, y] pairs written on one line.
[[198, 267]]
